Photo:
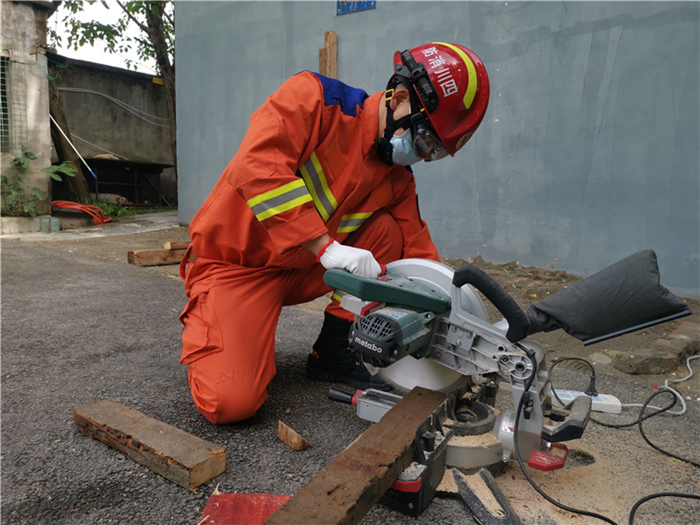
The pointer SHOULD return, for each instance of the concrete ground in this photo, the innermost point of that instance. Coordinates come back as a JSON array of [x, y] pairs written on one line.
[[79, 324]]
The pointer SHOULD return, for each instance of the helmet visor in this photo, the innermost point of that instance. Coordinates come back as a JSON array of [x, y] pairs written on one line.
[[427, 145]]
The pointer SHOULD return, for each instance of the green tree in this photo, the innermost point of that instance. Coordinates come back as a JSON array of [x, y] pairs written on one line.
[[155, 22]]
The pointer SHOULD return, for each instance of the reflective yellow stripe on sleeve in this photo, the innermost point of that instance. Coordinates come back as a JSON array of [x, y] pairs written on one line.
[[350, 223], [279, 200], [312, 173]]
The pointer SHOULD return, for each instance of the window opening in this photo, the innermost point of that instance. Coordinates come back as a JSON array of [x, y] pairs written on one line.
[[4, 106]]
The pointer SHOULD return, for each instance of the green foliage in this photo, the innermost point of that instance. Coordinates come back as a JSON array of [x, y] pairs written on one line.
[[114, 35], [113, 210], [65, 168], [18, 199]]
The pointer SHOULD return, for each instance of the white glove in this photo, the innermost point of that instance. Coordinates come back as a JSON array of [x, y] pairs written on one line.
[[355, 260]]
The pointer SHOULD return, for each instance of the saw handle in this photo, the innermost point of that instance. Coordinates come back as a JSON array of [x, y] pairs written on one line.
[[518, 323]]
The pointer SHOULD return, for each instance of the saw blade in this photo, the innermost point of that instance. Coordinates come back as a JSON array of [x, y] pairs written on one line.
[[409, 372]]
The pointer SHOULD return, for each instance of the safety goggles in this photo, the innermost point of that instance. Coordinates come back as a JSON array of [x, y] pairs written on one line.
[[426, 143]]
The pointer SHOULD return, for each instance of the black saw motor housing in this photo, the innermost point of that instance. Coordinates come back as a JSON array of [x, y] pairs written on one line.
[[383, 337]]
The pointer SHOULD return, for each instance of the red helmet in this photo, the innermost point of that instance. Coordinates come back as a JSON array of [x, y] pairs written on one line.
[[457, 93]]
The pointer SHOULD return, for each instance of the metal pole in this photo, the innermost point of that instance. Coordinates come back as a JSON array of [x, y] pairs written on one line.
[[78, 153]]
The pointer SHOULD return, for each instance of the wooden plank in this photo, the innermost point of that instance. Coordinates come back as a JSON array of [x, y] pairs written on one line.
[[345, 490], [330, 42], [328, 55], [291, 437], [323, 61], [176, 245], [149, 257], [182, 458]]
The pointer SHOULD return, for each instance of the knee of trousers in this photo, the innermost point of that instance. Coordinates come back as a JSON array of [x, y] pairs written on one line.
[[225, 399], [380, 234]]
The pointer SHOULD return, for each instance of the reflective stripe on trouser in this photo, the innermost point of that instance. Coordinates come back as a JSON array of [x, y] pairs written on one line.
[[231, 318]]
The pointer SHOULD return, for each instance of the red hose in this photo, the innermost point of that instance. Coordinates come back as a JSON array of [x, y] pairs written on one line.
[[97, 216]]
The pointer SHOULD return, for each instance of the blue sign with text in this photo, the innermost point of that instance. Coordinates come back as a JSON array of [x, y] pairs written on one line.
[[352, 7]]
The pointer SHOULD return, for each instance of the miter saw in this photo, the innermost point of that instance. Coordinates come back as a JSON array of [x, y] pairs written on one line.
[[423, 324]]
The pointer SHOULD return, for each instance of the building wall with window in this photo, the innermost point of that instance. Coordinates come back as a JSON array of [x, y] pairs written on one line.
[[589, 148], [24, 104]]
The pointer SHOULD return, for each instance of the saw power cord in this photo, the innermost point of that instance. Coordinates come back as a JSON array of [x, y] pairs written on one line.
[[643, 416], [526, 389], [659, 495], [592, 391]]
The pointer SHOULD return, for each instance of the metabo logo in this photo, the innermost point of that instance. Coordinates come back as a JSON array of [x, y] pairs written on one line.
[[368, 345]]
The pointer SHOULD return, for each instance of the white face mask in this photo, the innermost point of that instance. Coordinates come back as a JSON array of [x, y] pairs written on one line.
[[403, 153]]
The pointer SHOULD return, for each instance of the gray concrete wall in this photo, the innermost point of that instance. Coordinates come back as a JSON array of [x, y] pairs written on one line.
[[114, 111], [588, 152], [23, 32]]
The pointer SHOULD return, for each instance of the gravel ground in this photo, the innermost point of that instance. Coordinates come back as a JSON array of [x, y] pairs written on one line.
[[80, 325]]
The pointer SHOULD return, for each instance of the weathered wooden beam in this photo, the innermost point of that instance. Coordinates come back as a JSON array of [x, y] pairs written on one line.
[[328, 55], [176, 245], [150, 257], [347, 488], [182, 458]]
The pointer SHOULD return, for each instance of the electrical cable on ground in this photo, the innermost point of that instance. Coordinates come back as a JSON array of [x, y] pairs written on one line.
[[520, 460], [592, 391], [97, 216], [675, 392], [652, 445], [639, 421], [642, 416], [659, 495]]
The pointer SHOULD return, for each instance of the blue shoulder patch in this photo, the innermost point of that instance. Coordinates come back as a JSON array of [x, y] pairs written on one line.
[[337, 93]]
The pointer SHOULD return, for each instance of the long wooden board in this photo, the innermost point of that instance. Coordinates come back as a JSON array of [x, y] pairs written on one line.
[[150, 257], [347, 488], [183, 458], [176, 245]]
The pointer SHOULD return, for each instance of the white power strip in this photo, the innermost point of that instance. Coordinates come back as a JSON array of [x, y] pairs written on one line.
[[601, 402]]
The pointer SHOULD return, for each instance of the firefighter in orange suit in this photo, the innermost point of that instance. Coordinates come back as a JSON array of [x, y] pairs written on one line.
[[321, 180]]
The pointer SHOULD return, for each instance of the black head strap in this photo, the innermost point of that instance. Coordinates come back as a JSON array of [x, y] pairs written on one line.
[[384, 147], [414, 77]]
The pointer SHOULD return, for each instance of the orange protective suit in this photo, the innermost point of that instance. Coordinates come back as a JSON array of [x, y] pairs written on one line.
[[306, 167]]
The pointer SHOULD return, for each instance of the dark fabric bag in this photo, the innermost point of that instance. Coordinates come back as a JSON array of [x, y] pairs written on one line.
[[622, 298]]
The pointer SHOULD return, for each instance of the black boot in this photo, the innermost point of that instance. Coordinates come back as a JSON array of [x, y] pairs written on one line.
[[331, 360]]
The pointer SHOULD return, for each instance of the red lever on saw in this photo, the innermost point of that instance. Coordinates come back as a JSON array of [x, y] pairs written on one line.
[[546, 461]]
